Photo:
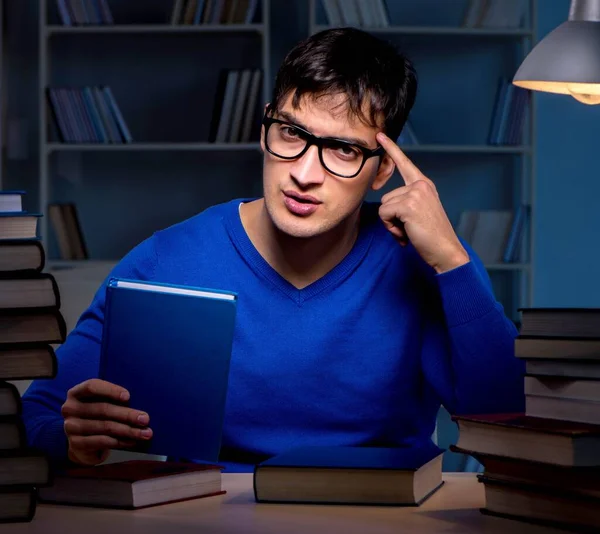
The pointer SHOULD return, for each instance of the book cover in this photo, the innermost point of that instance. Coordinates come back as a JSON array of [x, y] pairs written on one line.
[[396, 458], [133, 484], [533, 424], [170, 347]]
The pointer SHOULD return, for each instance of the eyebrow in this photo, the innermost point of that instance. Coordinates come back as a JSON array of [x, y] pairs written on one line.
[[352, 140]]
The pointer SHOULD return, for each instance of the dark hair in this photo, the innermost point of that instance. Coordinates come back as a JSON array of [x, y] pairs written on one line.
[[355, 63]]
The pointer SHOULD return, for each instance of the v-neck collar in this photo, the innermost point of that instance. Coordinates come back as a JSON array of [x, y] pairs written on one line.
[[247, 249]]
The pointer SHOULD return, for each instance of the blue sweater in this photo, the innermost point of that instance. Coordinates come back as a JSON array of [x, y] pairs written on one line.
[[363, 356]]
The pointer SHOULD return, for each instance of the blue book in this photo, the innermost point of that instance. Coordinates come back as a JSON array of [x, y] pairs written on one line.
[[170, 347], [350, 475]]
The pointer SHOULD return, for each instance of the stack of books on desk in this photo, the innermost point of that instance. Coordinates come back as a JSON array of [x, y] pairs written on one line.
[[30, 321], [544, 466]]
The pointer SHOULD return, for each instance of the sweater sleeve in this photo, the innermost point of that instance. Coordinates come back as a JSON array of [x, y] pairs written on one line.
[[468, 346], [78, 360]]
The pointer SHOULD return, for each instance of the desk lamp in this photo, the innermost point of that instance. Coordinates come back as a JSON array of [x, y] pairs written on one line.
[[567, 60]]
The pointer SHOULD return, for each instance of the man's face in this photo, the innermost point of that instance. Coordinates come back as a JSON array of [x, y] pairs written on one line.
[[302, 198]]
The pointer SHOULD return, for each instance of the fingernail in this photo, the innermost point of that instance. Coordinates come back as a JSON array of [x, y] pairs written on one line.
[[143, 419], [124, 395], [146, 433]]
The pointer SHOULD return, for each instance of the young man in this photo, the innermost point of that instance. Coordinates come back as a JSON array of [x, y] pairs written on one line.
[[355, 321]]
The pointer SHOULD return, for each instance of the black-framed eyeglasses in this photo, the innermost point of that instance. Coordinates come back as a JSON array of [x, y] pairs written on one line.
[[286, 140]]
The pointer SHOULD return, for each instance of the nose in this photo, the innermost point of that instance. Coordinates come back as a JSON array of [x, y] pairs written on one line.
[[307, 170]]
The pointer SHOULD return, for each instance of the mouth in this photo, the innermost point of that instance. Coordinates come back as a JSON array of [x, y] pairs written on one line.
[[302, 199], [300, 205]]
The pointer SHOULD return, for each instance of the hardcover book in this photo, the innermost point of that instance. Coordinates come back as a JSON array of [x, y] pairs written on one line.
[[350, 475], [133, 484], [170, 347]]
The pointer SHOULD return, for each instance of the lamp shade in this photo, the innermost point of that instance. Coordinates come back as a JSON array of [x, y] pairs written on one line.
[[567, 60]]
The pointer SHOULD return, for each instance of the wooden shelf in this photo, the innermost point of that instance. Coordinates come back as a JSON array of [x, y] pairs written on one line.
[[141, 147], [153, 28], [442, 30]]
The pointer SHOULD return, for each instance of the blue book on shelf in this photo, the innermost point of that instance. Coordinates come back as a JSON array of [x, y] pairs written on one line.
[[170, 347]]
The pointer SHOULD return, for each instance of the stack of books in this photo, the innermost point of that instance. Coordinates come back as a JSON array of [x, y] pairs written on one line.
[[30, 321], [543, 466]]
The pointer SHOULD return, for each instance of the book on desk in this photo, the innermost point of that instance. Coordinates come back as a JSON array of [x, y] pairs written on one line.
[[543, 466], [30, 321], [133, 484], [350, 475]]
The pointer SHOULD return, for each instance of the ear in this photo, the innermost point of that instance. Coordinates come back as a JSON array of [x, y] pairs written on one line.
[[384, 172]]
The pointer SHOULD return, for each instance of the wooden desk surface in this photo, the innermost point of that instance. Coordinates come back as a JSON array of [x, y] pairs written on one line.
[[453, 509]]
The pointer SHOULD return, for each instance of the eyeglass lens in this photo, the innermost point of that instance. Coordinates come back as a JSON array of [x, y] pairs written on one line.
[[339, 158]]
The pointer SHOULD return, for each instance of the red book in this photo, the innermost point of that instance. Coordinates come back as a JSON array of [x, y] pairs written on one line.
[[133, 484]]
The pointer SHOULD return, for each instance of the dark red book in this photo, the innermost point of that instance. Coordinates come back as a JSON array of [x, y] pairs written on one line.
[[133, 484], [525, 437]]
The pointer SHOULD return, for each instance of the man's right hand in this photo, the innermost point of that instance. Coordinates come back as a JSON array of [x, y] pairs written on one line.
[[97, 420]]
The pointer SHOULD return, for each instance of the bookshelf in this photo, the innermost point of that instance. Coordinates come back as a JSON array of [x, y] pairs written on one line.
[[140, 147], [148, 31], [513, 281]]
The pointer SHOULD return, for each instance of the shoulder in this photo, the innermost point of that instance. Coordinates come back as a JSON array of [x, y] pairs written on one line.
[[181, 246], [199, 230]]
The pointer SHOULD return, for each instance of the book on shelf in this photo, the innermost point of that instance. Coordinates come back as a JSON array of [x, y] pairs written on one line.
[[494, 13], [350, 475], [509, 113], [64, 219], [84, 12], [87, 114], [494, 235], [147, 322], [133, 484], [358, 13], [235, 106], [194, 12], [30, 321]]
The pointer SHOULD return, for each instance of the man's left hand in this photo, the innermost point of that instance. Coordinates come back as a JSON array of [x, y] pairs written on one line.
[[413, 212]]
